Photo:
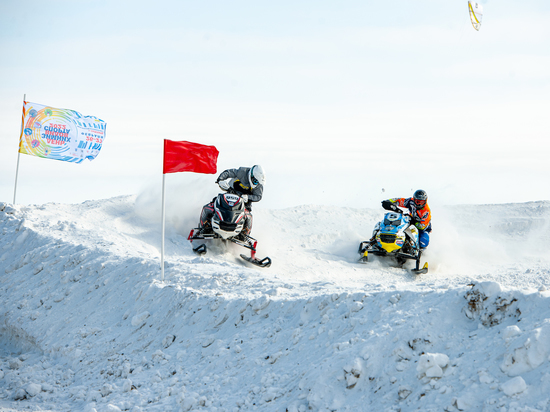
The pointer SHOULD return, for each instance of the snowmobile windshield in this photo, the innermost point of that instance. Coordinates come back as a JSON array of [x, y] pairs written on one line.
[[229, 202], [392, 222]]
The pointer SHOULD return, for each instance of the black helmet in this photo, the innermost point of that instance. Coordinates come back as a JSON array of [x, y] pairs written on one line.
[[420, 198]]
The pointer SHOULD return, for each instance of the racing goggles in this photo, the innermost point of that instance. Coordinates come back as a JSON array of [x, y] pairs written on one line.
[[255, 181], [419, 202]]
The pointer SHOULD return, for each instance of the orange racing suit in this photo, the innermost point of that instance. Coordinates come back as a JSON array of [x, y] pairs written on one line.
[[422, 217]]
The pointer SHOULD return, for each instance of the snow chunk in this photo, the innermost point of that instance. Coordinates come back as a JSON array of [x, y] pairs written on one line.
[[189, 401], [353, 372], [20, 394], [487, 301], [28, 391], [168, 340], [106, 390], [14, 363], [404, 392], [395, 298], [160, 357], [489, 288], [260, 304], [127, 385], [272, 292], [431, 365], [465, 402], [434, 372], [139, 320], [33, 389], [513, 386], [529, 355], [356, 307], [511, 332], [485, 377]]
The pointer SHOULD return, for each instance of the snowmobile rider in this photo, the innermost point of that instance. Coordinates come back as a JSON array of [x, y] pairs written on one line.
[[248, 182], [419, 210]]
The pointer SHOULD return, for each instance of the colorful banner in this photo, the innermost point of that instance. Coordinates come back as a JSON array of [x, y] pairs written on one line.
[[60, 134]]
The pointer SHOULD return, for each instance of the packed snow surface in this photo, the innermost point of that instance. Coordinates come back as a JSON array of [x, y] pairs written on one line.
[[87, 323]]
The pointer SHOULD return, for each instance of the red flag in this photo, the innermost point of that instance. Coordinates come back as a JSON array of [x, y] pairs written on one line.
[[189, 157]]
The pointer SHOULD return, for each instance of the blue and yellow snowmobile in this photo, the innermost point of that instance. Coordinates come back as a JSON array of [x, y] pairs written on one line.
[[395, 237]]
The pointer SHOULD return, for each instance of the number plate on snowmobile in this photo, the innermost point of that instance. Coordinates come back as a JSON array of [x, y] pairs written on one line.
[[231, 199]]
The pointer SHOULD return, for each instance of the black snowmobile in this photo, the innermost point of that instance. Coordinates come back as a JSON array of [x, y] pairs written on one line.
[[227, 219]]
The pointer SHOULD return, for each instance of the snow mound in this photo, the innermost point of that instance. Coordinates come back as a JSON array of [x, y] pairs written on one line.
[[87, 324], [490, 304]]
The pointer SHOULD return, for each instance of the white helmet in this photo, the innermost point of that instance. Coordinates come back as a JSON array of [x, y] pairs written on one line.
[[256, 176]]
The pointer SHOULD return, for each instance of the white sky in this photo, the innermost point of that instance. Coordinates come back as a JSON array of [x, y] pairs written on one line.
[[343, 103]]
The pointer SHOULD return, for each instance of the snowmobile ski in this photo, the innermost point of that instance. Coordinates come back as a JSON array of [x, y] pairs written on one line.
[[422, 271], [200, 250], [264, 263], [245, 241], [363, 251]]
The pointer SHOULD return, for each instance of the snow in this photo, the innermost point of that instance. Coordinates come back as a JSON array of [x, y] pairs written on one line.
[[514, 386], [86, 323]]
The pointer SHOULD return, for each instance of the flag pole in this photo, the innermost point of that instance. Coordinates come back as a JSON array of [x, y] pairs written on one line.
[[163, 217], [162, 241], [19, 148]]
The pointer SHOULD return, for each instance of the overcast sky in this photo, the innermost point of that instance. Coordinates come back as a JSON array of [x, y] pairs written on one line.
[[343, 103]]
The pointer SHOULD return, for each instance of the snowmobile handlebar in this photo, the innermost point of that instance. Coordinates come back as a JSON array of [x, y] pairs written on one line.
[[386, 204], [395, 208], [405, 212], [224, 185]]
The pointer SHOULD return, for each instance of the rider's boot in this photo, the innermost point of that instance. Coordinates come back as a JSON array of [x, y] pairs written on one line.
[[247, 227]]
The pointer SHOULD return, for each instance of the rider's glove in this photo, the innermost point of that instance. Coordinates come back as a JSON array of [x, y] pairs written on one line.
[[244, 198], [386, 204]]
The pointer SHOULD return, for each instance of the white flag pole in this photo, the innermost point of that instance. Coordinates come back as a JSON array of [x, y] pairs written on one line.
[[162, 241], [19, 147], [162, 219]]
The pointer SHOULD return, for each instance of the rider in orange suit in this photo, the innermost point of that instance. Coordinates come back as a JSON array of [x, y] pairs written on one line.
[[419, 210]]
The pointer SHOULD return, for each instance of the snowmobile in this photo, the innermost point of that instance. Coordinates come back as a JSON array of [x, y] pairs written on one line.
[[225, 219], [396, 237]]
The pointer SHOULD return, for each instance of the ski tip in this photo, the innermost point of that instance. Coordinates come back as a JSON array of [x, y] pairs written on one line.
[[200, 250], [364, 255], [421, 271]]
